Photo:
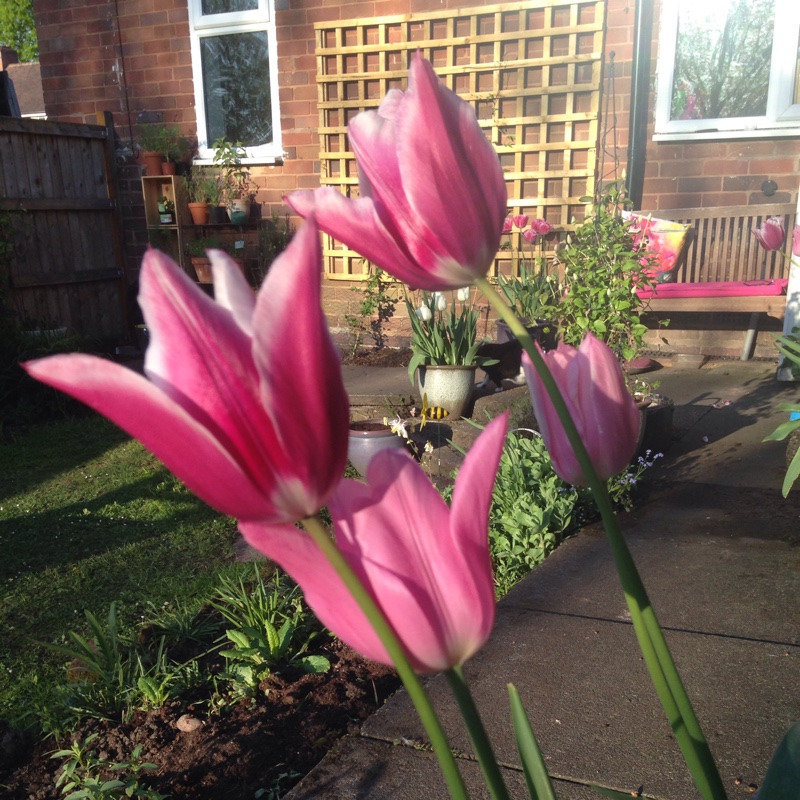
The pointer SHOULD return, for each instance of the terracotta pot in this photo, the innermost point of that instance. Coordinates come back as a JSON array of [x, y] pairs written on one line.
[[168, 167], [200, 213], [368, 437], [153, 161], [447, 386], [202, 268]]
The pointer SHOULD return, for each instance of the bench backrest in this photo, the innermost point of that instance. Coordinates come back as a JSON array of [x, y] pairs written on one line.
[[722, 246]]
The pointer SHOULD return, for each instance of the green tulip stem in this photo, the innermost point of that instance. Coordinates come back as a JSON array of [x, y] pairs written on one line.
[[412, 683], [477, 734], [655, 651]]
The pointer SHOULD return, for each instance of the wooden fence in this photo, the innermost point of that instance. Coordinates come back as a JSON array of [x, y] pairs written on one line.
[[65, 267]]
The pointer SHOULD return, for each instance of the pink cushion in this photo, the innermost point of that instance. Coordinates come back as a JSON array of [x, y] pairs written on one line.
[[766, 288]]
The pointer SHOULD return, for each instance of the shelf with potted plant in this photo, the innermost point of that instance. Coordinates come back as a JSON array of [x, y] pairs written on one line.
[[162, 146], [197, 252], [237, 191], [166, 213]]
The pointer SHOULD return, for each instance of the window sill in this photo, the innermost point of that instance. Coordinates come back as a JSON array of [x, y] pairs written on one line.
[[720, 135]]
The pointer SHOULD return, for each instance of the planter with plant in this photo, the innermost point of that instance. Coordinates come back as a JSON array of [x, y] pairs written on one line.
[[203, 191], [237, 192], [533, 293], [162, 146], [166, 211], [444, 344]]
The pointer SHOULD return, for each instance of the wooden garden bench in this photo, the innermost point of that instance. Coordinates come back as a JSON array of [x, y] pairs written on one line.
[[726, 268]]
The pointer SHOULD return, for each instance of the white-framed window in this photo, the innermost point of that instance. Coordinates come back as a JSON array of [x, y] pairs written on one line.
[[234, 64], [728, 69]]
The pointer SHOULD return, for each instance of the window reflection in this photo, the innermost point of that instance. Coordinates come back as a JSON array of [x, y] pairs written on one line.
[[722, 59], [237, 87], [227, 6]]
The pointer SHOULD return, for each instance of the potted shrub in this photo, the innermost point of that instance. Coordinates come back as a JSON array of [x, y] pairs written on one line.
[[161, 146], [200, 261], [203, 191], [234, 178], [166, 211]]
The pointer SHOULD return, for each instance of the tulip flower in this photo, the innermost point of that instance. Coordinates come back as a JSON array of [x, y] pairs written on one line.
[[771, 234], [520, 221], [462, 295], [593, 387], [541, 226], [230, 406], [426, 566], [433, 195], [507, 225], [424, 313], [530, 236]]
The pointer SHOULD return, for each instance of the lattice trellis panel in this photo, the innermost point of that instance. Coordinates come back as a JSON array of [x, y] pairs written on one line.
[[531, 71]]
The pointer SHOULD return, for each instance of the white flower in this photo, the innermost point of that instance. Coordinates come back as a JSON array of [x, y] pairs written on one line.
[[428, 447], [463, 294], [441, 302], [399, 427], [424, 313]]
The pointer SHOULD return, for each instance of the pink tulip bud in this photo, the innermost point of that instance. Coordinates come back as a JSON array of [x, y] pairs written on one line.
[[771, 234], [432, 191], [520, 221], [530, 235], [507, 225], [593, 387], [541, 226]]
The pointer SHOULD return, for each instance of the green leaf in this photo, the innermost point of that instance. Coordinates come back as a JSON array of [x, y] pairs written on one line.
[[536, 777], [791, 474], [783, 430], [783, 773], [316, 665]]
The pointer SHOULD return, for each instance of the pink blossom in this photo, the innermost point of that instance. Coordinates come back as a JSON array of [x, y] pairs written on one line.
[[530, 235], [520, 221], [426, 566], [796, 240], [230, 406], [771, 233], [507, 225], [541, 226], [591, 381], [433, 195]]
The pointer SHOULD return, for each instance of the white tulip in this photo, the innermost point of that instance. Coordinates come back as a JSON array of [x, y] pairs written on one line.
[[424, 313], [463, 294], [441, 302]]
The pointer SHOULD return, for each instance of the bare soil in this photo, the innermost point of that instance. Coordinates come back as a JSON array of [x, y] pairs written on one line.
[[286, 730], [384, 357]]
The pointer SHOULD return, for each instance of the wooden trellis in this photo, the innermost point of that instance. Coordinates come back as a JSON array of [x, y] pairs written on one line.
[[532, 72]]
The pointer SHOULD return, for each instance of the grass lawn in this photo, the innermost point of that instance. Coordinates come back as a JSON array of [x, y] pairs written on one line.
[[88, 517]]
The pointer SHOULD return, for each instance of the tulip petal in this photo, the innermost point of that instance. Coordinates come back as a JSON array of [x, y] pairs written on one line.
[[296, 358], [232, 291], [185, 446]]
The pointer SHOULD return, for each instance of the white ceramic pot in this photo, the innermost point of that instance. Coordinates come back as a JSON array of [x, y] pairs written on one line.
[[447, 386], [368, 437]]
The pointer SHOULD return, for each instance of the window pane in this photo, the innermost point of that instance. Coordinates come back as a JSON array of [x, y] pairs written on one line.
[[227, 6], [237, 87], [722, 59]]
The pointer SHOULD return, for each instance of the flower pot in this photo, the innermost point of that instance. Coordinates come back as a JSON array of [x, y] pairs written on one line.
[[541, 330], [447, 386], [153, 161], [168, 167], [368, 437], [200, 213], [239, 210], [202, 268], [218, 215]]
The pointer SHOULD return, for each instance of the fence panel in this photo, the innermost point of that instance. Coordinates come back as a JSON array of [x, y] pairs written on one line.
[[57, 186]]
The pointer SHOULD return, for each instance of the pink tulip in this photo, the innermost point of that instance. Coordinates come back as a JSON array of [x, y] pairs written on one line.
[[507, 225], [245, 402], [520, 221], [541, 226], [771, 234], [426, 566], [530, 235], [591, 381], [433, 196], [796, 240]]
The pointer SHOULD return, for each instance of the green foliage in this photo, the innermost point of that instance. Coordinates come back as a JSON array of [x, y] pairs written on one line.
[[378, 302], [789, 347], [18, 28], [82, 775], [202, 186], [534, 293], [602, 269], [234, 177], [271, 629], [165, 139], [274, 235], [442, 332]]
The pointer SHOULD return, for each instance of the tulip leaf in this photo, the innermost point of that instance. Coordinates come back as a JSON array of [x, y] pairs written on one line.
[[791, 474], [783, 774], [536, 777]]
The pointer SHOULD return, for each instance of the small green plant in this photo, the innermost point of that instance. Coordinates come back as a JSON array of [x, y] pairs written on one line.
[[165, 139], [442, 332], [271, 628], [602, 268], [234, 177], [82, 775], [376, 307], [202, 186]]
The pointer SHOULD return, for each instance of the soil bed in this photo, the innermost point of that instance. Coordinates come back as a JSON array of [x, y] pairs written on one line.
[[284, 732]]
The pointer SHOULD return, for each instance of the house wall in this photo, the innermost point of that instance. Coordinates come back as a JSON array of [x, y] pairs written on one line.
[[139, 61]]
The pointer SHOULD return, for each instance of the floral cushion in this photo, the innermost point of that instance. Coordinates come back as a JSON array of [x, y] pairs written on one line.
[[665, 240], [765, 288]]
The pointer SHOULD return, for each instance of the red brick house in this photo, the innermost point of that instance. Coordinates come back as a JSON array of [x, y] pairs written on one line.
[[568, 92]]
